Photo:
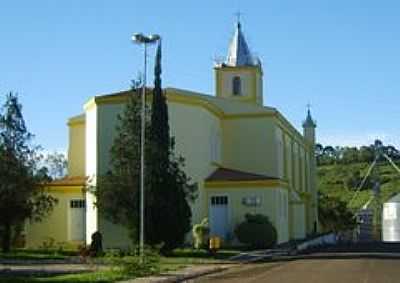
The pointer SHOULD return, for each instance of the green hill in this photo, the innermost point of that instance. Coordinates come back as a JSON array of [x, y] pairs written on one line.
[[342, 180]]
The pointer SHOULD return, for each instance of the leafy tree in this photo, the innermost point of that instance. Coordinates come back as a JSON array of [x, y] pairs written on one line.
[[378, 144], [350, 155], [366, 154], [319, 151], [330, 152], [56, 164], [118, 192], [22, 179], [333, 213]]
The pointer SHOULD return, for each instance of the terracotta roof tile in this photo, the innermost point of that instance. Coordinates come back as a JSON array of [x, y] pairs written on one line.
[[225, 174], [69, 181]]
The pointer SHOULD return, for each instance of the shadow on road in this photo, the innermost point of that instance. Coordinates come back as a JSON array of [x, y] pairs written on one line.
[[372, 250]]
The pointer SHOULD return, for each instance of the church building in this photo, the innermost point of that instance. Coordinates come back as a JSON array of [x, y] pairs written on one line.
[[244, 156]]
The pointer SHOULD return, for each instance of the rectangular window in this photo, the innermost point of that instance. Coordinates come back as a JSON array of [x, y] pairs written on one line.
[[219, 200], [77, 203]]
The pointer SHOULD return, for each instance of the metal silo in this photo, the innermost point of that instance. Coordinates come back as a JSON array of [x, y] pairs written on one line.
[[391, 220]]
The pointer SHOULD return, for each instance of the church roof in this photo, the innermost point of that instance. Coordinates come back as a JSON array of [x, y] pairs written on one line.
[[69, 181], [217, 105], [239, 53], [226, 174], [394, 199], [309, 122]]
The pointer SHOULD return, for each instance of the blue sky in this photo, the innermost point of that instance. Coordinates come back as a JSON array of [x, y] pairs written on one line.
[[341, 56]]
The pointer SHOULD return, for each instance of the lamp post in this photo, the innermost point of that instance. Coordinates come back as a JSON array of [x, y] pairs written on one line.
[[140, 38]]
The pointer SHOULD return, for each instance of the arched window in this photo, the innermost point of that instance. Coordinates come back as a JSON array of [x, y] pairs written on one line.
[[237, 86]]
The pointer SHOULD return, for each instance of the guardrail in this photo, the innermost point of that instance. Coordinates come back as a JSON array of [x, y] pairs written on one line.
[[328, 239]]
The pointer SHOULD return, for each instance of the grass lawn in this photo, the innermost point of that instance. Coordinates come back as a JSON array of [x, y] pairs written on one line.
[[180, 258]]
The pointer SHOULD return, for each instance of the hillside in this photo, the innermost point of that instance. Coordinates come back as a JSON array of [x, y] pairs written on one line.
[[341, 180]]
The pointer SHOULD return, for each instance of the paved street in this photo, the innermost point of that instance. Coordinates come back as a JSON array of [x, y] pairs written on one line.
[[327, 270]]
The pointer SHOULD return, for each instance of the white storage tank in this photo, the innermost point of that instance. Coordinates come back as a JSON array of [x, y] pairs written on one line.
[[391, 220]]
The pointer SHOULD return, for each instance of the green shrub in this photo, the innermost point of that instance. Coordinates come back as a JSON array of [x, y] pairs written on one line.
[[201, 234], [132, 264], [256, 231]]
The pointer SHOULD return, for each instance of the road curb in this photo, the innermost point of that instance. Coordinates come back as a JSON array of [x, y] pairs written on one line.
[[169, 278], [193, 275]]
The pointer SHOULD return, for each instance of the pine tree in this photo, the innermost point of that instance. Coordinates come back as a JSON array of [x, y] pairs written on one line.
[[22, 179], [168, 214]]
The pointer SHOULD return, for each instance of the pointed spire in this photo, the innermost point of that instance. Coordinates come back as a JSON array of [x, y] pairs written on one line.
[[309, 122], [239, 53], [157, 68]]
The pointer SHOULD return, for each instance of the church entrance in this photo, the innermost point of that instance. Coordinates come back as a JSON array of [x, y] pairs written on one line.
[[77, 220], [218, 216]]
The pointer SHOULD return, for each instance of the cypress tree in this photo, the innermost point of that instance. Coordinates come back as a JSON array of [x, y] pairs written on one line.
[[167, 188], [168, 214]]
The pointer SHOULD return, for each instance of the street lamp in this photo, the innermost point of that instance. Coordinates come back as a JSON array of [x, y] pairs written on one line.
[[140, 38]]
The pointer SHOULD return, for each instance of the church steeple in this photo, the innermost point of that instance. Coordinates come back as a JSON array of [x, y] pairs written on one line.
[[309, 122], [239, 77], [309, 126], [239, 53]]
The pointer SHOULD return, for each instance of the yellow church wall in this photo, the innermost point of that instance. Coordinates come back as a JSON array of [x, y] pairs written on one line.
[[298, 214], [55, 227], [106, 123], [76, 146], [249, 145], [197, 148], [91, 216], [259, 89], [280, 156], [247, 84], [298, 178], [102, 134], [91, 169], [114, 235], [251, 83], [272, 204], [265, 144], [289, 160], [196, 133]]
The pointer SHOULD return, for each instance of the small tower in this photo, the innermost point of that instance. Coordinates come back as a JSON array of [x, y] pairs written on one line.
[[239, 77], [309, 126]]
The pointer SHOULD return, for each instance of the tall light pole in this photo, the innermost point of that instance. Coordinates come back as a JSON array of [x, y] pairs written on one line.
[[139, 38]]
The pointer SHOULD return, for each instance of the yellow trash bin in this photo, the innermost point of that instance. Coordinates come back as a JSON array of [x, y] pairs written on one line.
[[215, 243]]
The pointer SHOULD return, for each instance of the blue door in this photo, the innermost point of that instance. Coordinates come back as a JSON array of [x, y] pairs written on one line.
[[218, 213]]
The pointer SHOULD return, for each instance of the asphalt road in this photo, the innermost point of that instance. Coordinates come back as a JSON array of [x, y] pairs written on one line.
[[326, 270]]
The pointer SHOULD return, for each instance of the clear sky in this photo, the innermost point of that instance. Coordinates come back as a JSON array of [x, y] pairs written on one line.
[[341, 56]]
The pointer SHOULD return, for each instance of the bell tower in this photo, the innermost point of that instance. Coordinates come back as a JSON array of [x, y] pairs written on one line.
[[239, 77]]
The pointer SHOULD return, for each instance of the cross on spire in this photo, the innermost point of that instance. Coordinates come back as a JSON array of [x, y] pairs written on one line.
[[238, 14], [308, 106], [309, 122]]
